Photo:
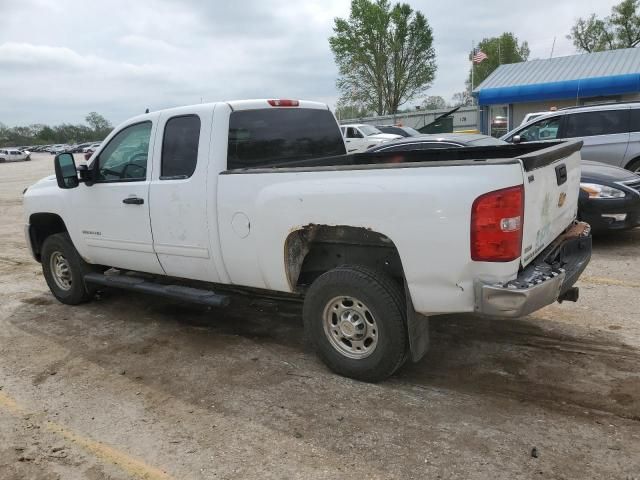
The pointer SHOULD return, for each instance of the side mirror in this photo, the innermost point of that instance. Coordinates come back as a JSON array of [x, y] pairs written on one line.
[[516, 139], [66, 172]]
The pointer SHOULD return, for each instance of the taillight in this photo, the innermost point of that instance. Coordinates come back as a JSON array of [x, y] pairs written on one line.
[[496, 225], [284, 103]]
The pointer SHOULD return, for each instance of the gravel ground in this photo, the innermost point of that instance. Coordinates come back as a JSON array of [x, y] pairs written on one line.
[[130, 386]]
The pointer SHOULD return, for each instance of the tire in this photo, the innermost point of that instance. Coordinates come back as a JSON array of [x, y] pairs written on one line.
[[355, 318], [634, 166], [66, 281]]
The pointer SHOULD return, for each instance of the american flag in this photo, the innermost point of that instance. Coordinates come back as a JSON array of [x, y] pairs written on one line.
[[478, 56]]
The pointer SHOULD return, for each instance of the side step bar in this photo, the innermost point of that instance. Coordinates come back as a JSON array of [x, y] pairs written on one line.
[[176, 292]]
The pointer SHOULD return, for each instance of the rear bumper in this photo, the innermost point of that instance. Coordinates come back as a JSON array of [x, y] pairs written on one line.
[[542, 282]]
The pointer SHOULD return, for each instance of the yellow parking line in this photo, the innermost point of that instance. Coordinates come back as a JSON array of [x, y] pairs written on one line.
[[609, 281], [132, 466]]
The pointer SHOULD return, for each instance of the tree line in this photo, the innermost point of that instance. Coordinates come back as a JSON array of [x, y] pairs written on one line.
[[385, 54], [96, 129]]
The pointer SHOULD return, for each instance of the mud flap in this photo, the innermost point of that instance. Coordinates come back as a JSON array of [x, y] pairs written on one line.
[[417, 329]]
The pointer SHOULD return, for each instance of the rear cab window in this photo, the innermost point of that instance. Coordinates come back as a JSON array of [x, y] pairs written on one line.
[[180, 147], [264, 137]]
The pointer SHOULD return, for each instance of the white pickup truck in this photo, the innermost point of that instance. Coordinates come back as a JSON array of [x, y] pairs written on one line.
[[361, 137], [262, 194]]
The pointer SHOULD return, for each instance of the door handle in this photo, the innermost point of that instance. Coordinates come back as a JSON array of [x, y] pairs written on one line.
[[133, 201]]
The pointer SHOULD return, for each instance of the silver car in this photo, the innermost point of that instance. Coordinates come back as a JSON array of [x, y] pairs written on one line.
[[610, 132]]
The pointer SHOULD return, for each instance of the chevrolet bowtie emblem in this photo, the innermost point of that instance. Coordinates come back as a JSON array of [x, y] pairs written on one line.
[[561, 199]]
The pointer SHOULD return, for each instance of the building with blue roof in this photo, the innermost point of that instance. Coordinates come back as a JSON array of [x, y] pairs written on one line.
[[513, 90]]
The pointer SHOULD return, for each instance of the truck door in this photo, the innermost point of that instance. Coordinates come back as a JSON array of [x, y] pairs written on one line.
[[111, 217], [179, 194], [354, 140]]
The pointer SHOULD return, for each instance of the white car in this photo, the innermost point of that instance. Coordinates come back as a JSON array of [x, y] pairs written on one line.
[[260, 194], [361, 137], [55, 149], [91, 148], [13, 154]]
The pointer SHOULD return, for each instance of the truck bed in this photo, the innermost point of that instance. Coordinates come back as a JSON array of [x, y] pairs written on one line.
[[533, 155]]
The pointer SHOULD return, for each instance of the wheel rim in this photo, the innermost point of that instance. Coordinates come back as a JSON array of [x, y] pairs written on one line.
[[60, 270], [350, 327]]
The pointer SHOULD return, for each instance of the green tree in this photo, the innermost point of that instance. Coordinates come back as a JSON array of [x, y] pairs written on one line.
[[619, 30], [462, 99], [434, 102], [384, 54], [499, 50], [100, 125], [346, 111]]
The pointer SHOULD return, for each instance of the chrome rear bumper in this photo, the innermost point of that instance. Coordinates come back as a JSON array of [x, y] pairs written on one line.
[[544, 281]]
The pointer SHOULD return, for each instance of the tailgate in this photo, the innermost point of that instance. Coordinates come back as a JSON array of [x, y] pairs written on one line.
[[551, 188]]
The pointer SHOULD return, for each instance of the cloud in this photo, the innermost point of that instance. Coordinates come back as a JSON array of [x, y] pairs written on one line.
[[60, 59]]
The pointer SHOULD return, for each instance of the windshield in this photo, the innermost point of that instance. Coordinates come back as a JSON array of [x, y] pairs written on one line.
[[369, 130]]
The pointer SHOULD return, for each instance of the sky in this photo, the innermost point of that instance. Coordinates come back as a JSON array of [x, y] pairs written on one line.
[[60, 59]]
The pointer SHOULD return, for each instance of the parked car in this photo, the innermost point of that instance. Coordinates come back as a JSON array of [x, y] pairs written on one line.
[[13, 154], [609, 196], [88, 151], [373, 242], [360, 137], [56, 149], [610, 132], [397, 130], [80, 147], [93, 146]]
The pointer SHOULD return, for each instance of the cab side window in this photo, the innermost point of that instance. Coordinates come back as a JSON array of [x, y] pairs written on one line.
[[547, 129], [124, 159], [353, 133], [180, 147], [600, 122]]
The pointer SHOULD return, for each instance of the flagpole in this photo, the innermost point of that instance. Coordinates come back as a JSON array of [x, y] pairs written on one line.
[[472, 49]]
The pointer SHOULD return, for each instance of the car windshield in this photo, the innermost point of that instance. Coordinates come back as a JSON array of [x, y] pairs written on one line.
[[369, 130]]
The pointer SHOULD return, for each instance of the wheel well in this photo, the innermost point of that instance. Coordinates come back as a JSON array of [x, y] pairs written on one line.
[[316, 249], [631, 162], [41, 225]]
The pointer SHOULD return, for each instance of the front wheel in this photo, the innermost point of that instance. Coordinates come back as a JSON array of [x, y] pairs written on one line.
[[355, 318], [64, 269]]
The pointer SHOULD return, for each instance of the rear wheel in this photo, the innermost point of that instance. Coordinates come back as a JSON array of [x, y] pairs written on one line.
[[64, 270], [355, 318]]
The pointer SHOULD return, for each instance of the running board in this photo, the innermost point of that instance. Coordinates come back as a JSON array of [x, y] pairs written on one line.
[[175, 292]]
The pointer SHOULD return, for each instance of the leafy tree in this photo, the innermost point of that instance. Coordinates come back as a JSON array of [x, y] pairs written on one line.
[[503, 49], [100, 125], [346, 111], [434, 102], [384, 54], [40, 134], [619, 30], [463, 99]]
